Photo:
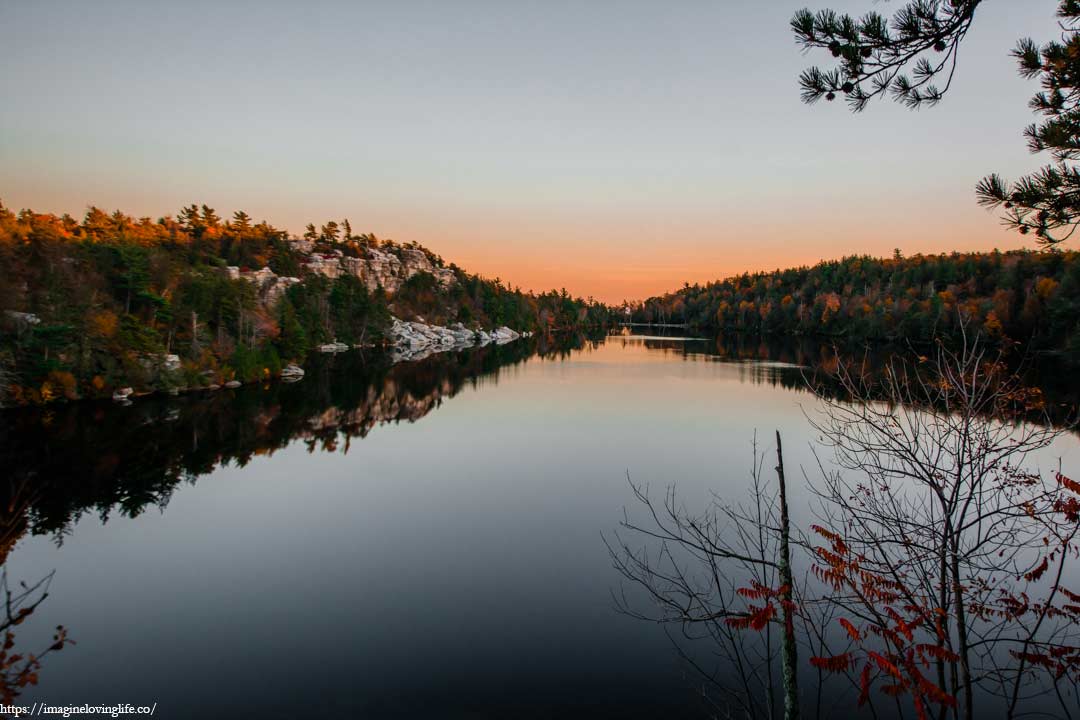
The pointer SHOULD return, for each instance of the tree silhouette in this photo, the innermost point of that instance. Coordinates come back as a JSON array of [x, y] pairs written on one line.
[[331, 231], [934, 579], [912, 58], [241, 221]]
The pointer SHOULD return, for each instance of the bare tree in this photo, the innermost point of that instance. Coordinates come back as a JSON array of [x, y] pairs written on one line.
[[716, 574], [943, 550], [933, 583]]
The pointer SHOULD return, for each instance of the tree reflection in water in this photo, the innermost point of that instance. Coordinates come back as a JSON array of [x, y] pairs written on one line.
[[65, 461]]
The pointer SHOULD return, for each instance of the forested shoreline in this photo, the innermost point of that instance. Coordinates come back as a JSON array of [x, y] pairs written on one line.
[[1031, 297], [108, 301], [90, 305]]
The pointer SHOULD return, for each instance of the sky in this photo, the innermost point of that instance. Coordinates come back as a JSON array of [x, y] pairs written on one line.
[[617, 148]]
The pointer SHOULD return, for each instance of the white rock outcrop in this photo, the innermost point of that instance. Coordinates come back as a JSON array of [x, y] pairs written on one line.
[[268, 284], [377, 268], [416, 340], [292, 373], [374, 268]]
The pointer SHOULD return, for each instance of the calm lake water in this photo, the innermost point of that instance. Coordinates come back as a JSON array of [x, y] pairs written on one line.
[[418, 540]]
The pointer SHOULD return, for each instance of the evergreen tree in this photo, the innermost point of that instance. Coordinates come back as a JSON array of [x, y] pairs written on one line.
[[330, 232], [241, 221], [912, 58], [210, 218]]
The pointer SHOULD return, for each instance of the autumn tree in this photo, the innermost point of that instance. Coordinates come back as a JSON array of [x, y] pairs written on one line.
[[189, 219], [19, 670], [88, 307], [210, 218], [943, 549], [241, 221], [938, 563], [912, 58]]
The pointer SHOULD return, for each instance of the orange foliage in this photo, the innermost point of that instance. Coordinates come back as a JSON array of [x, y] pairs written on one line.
[[1045, 287], [102, 324], [62, 384]]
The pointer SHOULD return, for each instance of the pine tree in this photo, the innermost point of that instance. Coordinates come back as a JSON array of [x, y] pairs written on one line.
[[1047, 202], [241, 221], [330, 231], [912, 57], [210, 218]]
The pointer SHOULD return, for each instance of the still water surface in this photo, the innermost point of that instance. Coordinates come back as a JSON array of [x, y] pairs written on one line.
[[422, 540]]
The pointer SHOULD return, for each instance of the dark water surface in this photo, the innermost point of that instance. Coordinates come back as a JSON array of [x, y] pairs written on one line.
[[419, 540]]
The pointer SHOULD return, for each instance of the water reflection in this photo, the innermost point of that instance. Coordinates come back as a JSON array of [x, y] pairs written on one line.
[[808, 365], [65, 461], [948, 443], [448, 567]]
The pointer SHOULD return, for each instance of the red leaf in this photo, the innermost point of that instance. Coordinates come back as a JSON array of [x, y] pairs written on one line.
[[1038, 571], [1068, 484], [864, 685], [851, 630], [885, 665], [836, 663]]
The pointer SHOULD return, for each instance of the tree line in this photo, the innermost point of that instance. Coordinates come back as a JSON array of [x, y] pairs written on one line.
[[90, 305], [1025, 296]]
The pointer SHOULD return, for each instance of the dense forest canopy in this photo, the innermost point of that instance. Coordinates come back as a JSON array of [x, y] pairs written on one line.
[[1025, 296], [90, 305]]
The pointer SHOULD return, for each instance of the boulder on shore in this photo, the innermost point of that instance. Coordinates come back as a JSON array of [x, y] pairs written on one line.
[[415, 340]]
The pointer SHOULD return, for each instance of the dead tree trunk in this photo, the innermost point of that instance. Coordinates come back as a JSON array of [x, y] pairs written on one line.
[[789, 650]]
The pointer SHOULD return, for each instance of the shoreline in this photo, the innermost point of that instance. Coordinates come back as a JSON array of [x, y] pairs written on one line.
[[406, 341]]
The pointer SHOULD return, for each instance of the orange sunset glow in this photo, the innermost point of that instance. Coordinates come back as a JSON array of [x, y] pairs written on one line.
[[595, 168], [540, 359]]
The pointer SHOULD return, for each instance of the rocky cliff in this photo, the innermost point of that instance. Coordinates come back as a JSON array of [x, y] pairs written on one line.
[[386, 268]]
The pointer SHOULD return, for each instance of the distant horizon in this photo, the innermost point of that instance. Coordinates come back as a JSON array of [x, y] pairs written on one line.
[[227, 214], [618, 153]]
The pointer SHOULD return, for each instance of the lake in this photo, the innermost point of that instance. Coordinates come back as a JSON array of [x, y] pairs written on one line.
[[399, 541]]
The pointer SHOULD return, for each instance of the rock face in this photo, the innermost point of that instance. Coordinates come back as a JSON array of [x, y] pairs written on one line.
[[269, 285], [160, 363], [376, 268], [416, 340], [324, 264], [379, 267], [22, 320]]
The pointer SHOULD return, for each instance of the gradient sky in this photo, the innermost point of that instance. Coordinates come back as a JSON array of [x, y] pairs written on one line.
[[616, 149]]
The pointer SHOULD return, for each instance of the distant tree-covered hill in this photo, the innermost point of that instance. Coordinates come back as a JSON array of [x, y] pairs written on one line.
[[1025, 296], [109, 301]]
